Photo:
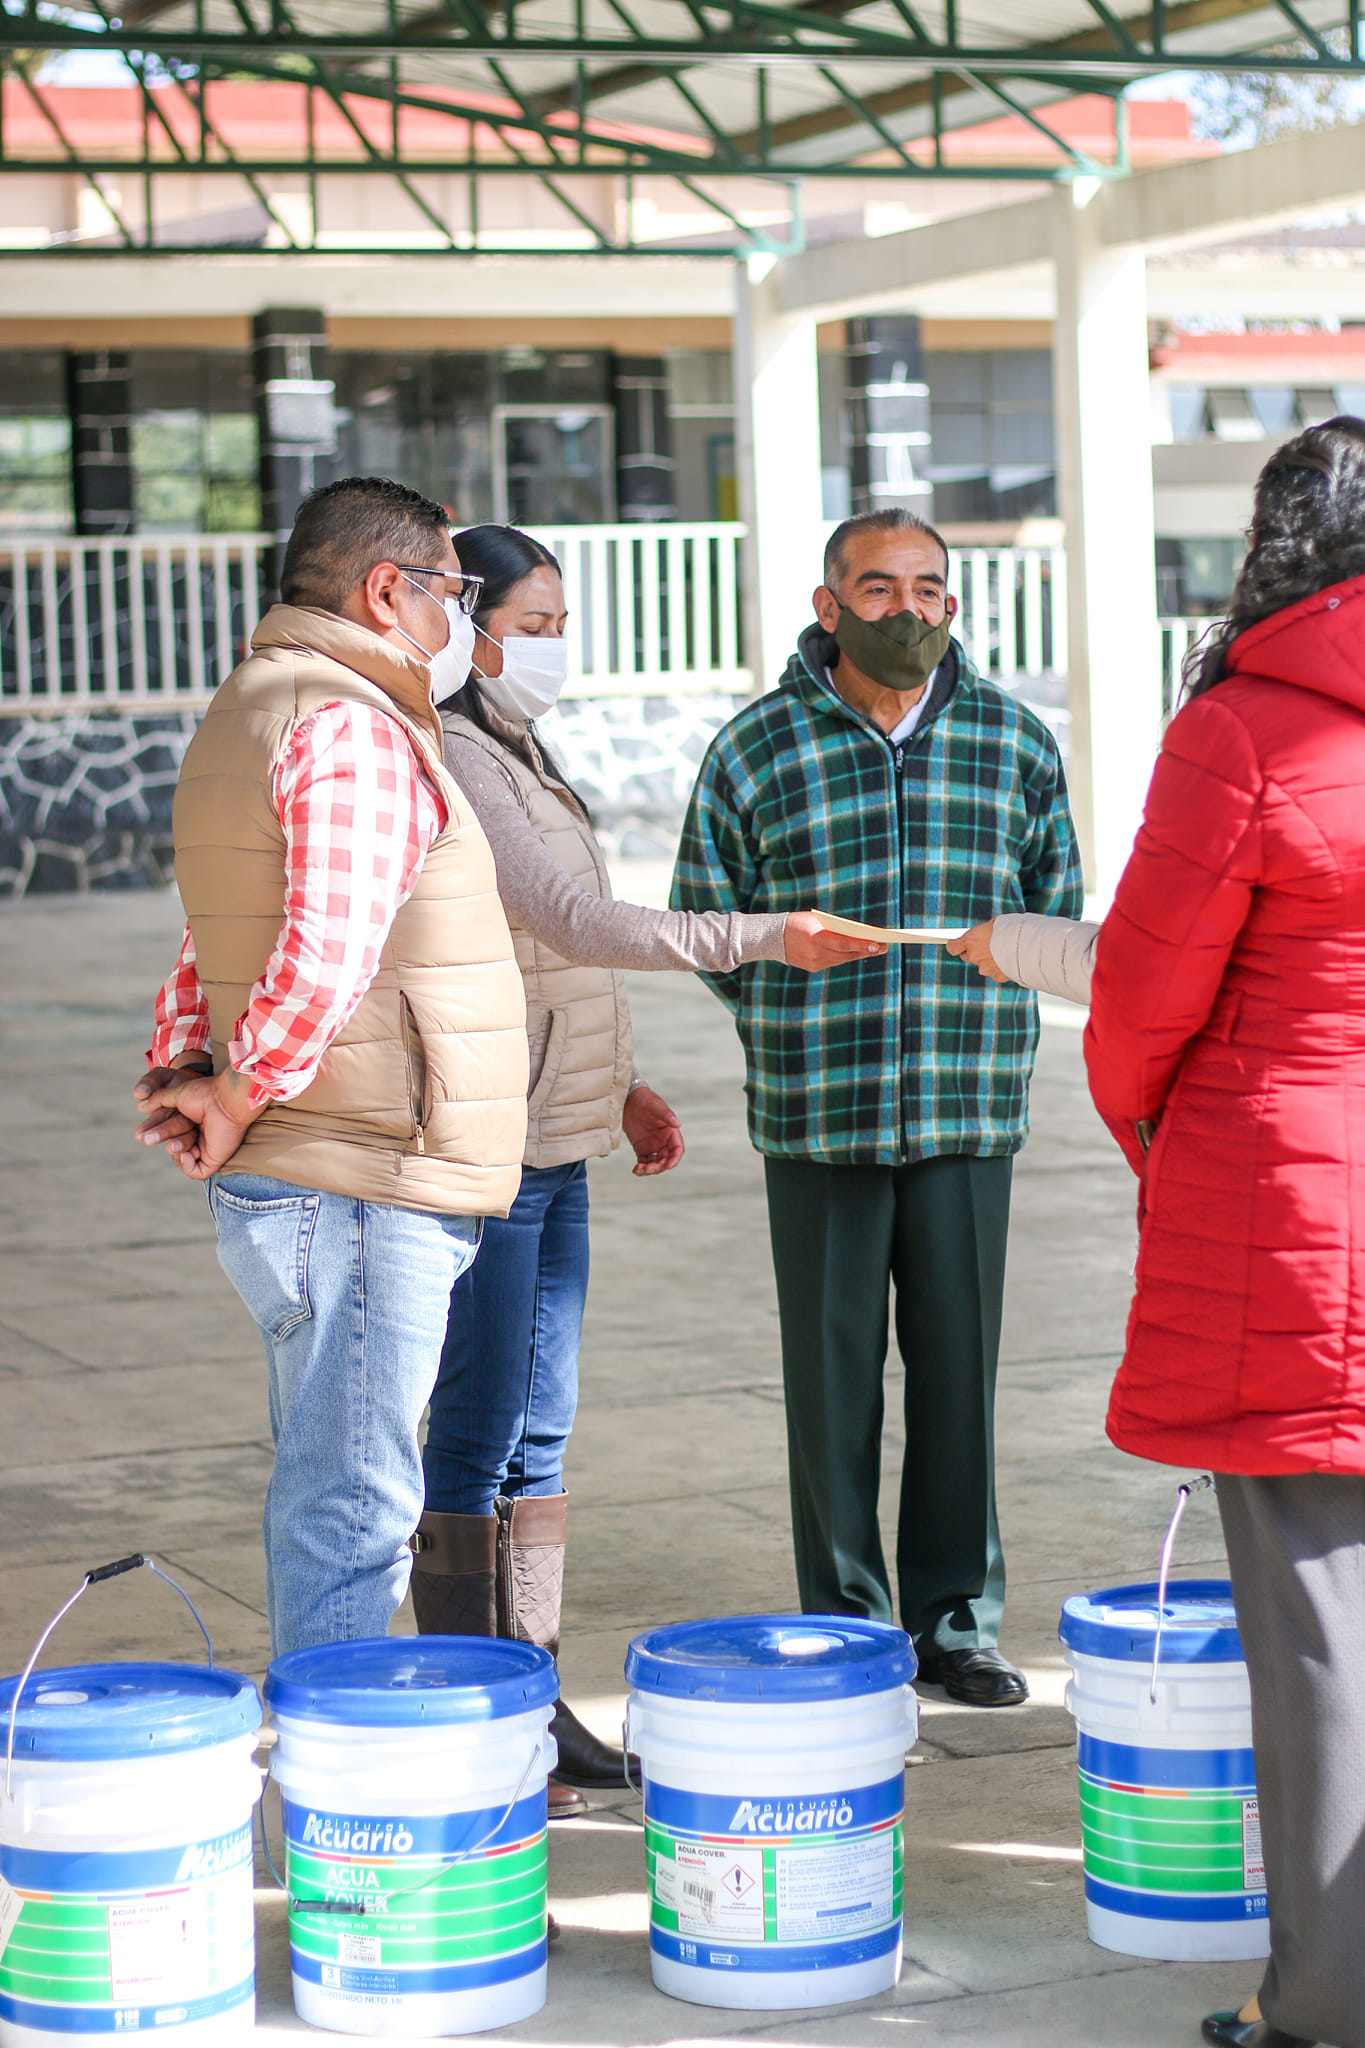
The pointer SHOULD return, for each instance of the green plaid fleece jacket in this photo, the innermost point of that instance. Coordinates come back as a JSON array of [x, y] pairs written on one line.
[[800, 804]]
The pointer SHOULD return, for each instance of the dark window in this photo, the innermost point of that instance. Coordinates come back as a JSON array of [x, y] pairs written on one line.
[[194, 442], [991, 451], [35, 443], [423, 419]]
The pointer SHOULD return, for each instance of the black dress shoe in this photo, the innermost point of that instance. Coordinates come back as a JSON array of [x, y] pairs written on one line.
[[1225, 2030], [583, 1760], [977, 1677]]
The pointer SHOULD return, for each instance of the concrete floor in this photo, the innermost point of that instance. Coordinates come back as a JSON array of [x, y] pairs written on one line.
[[134, 1418]]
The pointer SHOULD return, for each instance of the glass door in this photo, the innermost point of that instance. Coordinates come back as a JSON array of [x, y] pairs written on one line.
[[554, 465]]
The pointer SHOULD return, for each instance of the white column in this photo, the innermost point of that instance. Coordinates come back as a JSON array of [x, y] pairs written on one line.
[[777, 452], [1104, 473]]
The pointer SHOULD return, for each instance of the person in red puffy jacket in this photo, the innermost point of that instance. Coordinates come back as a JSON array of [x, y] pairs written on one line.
[[1226, 1050]]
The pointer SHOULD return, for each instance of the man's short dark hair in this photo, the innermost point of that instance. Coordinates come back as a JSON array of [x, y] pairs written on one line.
[[895, 519], [344, 528]]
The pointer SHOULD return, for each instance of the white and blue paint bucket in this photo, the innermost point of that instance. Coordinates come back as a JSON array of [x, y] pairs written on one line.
[[772, 1752], [413, 1771], [1170, 1825], [125, 1854]]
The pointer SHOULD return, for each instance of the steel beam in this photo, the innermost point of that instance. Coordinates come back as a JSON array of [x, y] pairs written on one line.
[[755, 32]]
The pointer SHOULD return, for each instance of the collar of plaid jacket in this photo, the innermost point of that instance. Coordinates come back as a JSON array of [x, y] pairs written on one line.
[[808, 674]]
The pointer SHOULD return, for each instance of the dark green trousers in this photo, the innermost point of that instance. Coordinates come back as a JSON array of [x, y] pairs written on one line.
[[843, 1237]]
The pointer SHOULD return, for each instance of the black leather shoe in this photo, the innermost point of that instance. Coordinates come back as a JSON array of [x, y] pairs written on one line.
[[1225, 2030], [978, 1677], [583, 1760]]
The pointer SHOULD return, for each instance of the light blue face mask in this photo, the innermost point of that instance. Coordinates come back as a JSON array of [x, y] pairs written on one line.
[[451, 664]]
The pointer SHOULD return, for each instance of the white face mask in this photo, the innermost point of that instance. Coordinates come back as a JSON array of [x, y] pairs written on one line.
[[451, 664], [535, 669]]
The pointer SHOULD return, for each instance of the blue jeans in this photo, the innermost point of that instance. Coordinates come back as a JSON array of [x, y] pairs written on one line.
[[504, 1401], [351, 1301]]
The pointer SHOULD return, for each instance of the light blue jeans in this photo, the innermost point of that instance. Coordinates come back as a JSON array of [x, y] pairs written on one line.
[[351, 1300]]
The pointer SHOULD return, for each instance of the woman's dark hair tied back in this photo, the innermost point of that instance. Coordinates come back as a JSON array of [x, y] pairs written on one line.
[[504, 556], [1307, 532]]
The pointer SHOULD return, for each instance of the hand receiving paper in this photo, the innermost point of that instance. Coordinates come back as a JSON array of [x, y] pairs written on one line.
[[975, 948]]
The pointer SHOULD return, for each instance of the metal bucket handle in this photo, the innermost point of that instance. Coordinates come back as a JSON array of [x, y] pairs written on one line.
[[1203, 1484], [92, 1578]]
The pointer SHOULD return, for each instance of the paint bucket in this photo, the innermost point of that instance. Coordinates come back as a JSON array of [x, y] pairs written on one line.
[[772, 1752], [125, 1854], [413, 1773], [1169, 1820]]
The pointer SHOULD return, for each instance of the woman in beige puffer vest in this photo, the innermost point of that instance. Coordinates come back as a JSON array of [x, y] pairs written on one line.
[[490, 1548]]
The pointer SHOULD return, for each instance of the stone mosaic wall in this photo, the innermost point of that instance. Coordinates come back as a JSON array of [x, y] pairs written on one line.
[[85, 801], [634, 760]]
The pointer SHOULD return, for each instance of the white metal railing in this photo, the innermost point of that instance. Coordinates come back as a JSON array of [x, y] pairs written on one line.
[[156, 620], [653, 609], [1178, 636], [150, 620], [1013, 609]]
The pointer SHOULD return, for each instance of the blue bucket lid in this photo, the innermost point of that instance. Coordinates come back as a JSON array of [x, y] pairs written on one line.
[[771, 1657], [1199, 1623], [89, 1712], [411, 1681]]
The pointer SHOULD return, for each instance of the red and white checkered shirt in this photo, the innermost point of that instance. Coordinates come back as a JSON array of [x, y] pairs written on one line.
[[359, 817]]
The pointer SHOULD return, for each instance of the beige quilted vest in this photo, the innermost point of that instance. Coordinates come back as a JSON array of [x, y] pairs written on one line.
[[420, 1099], [577, 1018]]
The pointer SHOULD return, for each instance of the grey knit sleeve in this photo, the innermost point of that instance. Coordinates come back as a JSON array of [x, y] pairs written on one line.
[[1054, 954], [543, 898]]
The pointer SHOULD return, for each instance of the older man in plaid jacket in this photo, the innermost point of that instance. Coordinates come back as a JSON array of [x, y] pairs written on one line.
[[886, 781]]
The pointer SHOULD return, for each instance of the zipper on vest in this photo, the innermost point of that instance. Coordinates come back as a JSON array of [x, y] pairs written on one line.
[[415, 1058]]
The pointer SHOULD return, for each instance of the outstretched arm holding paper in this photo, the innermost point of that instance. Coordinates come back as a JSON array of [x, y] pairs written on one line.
[[1053, 954]]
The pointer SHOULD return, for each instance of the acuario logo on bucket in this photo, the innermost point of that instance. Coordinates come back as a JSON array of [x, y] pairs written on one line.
[[214, 1859], [342, 1835], [794, 1817]]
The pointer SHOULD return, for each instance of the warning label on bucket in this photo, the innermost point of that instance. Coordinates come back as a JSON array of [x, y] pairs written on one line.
[[719, 1890], [1253, 1860], [839, 1889]]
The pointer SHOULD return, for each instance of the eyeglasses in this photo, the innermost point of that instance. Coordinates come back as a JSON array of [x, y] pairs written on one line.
[[466, 597]]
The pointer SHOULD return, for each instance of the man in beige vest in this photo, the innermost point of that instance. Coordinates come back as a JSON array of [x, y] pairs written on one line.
[[340, 1051]]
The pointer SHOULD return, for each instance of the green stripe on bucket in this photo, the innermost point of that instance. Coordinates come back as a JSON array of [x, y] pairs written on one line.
[[425, 1913], [1184, 1845], [58, 1952]]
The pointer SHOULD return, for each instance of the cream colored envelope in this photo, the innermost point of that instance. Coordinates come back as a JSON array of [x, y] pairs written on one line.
[[917, 935]]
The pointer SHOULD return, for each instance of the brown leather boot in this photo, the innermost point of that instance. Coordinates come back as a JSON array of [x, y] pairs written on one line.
[[531, 1536], [454, 1575], [530, 1567], [454, 1593]]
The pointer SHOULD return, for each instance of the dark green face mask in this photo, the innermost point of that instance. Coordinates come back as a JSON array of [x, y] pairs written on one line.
[[900, 651]]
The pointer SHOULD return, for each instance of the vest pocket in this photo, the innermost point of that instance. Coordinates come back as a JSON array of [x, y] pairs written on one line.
[[414, 1053], [263, 1246], [552, 1032]]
